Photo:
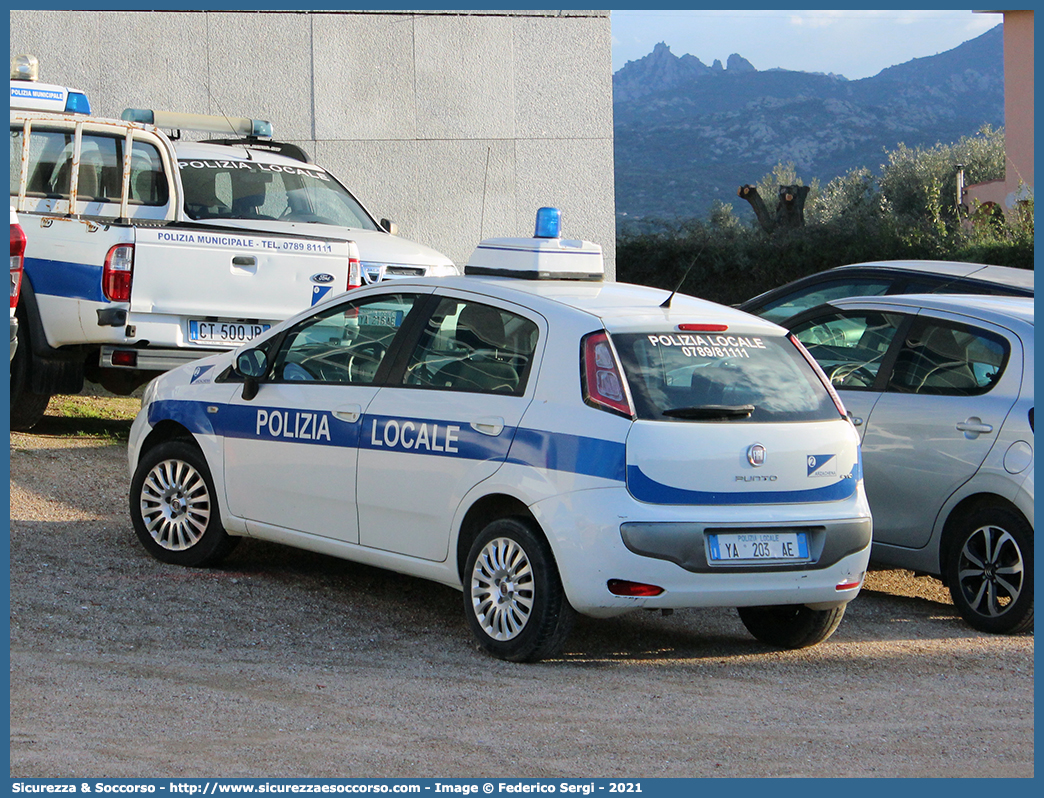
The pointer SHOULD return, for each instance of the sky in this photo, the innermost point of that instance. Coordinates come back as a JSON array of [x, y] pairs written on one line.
[[856, 44]]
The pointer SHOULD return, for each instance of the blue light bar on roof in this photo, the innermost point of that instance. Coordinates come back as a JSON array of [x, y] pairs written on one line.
[[231, 125], [77, 103], [548, 223]]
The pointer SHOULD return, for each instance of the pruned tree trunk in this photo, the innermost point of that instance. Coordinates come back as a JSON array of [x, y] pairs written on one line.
[[790, 208], [751, 195]]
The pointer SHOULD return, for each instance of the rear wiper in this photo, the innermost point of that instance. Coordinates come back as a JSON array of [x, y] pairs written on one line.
[[710, 412]]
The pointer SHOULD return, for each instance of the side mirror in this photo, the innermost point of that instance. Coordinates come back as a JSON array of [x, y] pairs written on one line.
[[390, 227], [251, 365]]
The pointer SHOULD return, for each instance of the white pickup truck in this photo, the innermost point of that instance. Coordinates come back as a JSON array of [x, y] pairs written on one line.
[[144, 252]]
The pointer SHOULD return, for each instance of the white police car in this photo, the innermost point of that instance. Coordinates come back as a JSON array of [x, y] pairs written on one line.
[[548, 442]]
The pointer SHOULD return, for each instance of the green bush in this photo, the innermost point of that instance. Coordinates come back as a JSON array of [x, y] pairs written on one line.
[[909, 212]]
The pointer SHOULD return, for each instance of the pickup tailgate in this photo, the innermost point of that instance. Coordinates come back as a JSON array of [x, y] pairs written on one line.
[[211, 273]]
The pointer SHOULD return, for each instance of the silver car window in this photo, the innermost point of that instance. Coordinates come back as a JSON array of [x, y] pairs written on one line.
[[949, 359], [850, 346], [810, 296]]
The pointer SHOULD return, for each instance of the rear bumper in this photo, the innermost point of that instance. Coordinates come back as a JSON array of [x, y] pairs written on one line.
[[603, 535], [148, 359]]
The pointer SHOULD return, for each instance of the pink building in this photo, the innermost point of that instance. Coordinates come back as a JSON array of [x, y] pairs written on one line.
[[1017, 184]]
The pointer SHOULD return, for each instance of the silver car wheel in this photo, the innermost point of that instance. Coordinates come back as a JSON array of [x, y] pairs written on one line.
[[502, 589], [991, 571], [175, 505]]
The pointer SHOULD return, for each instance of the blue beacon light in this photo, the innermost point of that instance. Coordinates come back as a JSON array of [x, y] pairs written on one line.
[[548, 223]]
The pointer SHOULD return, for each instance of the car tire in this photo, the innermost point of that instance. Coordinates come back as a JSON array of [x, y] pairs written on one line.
[[174, 508], [791, 626], [513, 595], [989, 570], [27, 408]]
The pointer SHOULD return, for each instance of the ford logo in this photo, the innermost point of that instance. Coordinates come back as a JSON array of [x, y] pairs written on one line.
[[322, 278]]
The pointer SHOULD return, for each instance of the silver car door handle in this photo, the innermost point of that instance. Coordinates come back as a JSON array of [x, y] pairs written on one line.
[[349, 413], [488, 426], [975, 426]]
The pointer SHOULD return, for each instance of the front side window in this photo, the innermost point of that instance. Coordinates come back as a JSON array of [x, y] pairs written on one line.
[[468, 346], [811, 296], [851, 346], [721, 377], [344, 344], [232, 189], [946, 359]]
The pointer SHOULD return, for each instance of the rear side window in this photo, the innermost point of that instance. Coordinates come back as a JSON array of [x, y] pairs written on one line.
[[721, 377], [469, 346], [949, 360], [100, 171]]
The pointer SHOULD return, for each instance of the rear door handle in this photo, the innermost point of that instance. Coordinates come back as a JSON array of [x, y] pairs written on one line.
[[244, 260], [490, 425], [974, 426], [349, 413]]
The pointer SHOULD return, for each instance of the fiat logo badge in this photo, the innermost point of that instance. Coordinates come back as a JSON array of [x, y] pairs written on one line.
[[756, 455]]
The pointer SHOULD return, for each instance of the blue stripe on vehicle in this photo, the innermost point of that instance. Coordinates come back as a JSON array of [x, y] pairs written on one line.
[[65, 278], [558, 451], [553, 451], [646, 489], [550, 450]]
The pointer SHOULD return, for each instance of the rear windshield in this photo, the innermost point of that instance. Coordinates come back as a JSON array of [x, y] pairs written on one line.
[[721, 377]]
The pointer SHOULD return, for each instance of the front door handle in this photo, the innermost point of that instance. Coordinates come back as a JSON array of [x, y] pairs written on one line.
[[490, 425], [349, 413], [973, 427]]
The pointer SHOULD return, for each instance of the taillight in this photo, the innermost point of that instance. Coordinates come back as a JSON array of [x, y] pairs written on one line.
[[354, 267], [17, 261], [822, 374], [118, 273], [622, 587], [603, 382]]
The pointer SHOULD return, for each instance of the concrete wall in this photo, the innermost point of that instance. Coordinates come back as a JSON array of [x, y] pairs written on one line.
[[456, 125]]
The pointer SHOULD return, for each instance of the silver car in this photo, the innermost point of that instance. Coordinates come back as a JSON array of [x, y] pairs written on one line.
[[941, 389], [888, 277]]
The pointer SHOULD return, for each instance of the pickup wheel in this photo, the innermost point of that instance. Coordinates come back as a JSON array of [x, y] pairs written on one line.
[[173, 507], [27, 408]]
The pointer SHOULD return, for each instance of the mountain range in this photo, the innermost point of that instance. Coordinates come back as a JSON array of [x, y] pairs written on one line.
[[688, 134]]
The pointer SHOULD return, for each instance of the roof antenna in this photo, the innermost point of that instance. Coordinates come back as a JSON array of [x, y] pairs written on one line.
[[667, 302]]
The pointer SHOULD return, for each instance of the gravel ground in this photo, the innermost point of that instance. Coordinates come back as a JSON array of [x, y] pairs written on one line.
[[288, 664]]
